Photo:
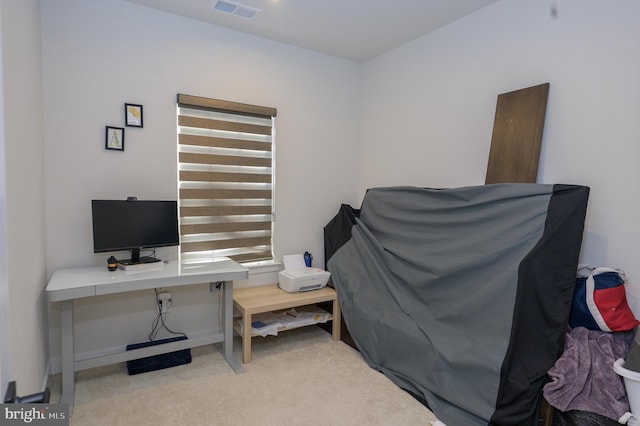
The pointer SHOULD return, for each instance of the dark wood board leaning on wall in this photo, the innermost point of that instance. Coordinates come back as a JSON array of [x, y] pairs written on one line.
[[517, 135]]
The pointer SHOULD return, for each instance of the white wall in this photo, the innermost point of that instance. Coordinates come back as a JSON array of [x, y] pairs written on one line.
[[431, 101], [428, 109], [99, 55], [23, 300]]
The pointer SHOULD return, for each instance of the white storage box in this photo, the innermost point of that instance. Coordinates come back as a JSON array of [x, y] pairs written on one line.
[[631, 384]]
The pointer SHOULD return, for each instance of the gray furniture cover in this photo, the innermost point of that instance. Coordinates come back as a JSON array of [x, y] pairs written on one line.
[[462, 296]]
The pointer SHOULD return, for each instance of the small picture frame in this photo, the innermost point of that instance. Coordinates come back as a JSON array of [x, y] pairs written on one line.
[[133, 115], [114, 138]]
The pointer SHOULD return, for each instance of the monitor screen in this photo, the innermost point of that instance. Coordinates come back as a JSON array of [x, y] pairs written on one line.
[[133, 225]]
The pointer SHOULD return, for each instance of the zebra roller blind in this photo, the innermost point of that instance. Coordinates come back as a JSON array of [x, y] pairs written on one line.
[[225, 179]]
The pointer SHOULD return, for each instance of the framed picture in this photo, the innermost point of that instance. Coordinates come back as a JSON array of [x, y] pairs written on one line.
[[133, 115], [114, 138]]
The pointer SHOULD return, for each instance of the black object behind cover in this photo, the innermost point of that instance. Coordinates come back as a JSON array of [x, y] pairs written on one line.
[[338, 230]]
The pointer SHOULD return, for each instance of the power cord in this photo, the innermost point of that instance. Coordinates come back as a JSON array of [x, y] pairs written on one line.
[[151, 253], [158, 323], [218, 285]]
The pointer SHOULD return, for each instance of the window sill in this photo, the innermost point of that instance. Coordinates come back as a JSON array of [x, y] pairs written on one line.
[[260, 273], [262, 267]]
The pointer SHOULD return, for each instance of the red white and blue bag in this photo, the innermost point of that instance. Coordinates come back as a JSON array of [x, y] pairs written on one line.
[[600, 300]]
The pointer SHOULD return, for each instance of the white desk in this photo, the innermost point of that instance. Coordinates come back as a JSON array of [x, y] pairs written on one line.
[[75, 283]]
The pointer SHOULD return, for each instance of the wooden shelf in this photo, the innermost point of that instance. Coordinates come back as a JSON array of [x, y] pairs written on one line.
[[270, 298], [302, 309]]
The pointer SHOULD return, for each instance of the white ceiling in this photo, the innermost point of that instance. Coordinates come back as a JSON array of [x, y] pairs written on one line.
[[352, 29]]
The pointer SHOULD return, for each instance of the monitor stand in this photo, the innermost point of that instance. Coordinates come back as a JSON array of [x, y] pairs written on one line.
[[137, 260]]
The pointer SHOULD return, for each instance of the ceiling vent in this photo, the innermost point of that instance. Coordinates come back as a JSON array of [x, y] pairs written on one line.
[[237, 9]]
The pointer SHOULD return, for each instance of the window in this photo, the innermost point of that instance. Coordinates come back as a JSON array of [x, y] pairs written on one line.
[[225, 179]]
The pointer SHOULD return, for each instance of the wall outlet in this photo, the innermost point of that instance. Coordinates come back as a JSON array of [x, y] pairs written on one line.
[[164, 303]]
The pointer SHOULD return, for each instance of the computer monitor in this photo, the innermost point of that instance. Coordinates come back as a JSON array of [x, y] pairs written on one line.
[[134, 225]]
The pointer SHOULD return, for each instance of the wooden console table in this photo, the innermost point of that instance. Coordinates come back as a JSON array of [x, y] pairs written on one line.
[[256, 300]]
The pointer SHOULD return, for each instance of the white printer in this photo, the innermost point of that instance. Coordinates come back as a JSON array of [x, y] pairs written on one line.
[[303, 279], [298, 277]]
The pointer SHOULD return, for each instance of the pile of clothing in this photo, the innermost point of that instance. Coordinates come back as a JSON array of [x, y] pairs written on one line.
[[583, 378], [584, 387]]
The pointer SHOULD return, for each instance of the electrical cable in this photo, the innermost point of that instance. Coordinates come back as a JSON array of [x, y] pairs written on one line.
[[152, 254], [159, 321], [219, 307]]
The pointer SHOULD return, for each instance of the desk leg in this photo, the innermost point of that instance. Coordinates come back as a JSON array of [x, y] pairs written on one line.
[[227, 328], [66, 341], [246, 338], [335, 331]]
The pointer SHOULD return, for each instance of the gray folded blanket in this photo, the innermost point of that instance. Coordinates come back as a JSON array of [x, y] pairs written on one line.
[[583, 377]]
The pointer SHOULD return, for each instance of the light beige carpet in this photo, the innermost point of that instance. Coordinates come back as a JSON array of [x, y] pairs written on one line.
[[301, 377]]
